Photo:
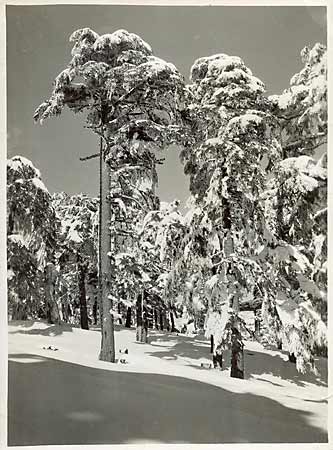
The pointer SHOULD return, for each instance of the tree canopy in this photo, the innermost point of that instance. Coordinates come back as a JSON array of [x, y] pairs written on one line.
[[255, 233]]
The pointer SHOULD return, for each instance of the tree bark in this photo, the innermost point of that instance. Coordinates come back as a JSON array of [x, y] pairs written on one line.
[[64, 308], [161, 320], [128, 317], [166, 321], [218, 360], [256, 324], [155, 319], [145, 327], [107, 352], [95, 312], [91, 295], [10, 223], [100, 225], [139, 321], [237, 355], [19, 311], [50, 281], [173, 329], [292, 358], [119, 312], [82, 295], [211, 343]]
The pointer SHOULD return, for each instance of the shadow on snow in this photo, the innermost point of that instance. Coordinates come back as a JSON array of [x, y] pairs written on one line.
[[256, 363], [52, 330], [55, 402]]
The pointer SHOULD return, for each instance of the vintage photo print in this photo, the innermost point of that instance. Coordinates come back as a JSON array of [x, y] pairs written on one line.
[[166, 240]]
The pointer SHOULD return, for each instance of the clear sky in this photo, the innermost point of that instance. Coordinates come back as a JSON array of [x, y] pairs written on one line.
[[268, 39]]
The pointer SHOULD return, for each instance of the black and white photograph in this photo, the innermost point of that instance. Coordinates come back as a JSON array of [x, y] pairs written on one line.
[[166, 224]]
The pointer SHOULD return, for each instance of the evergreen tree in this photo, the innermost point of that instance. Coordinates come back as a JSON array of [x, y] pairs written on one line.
[[160, 237], [133, 101], [257, 223], [238, 138], [296, 212], [302, 108], [31, 243], [77, 256]]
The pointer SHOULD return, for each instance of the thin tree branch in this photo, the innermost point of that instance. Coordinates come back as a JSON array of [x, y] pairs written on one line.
[[85, 158]]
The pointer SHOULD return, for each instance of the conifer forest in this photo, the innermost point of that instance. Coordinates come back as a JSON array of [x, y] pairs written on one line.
[[135, 320]]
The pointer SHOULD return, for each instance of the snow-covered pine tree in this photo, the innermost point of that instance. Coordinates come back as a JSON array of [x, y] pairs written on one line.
[[298, 220], [77, 254], [296, 212], [302, 108], [132, 195], [237, 138], [140, 268], [160, 237], [134, 102], [31, 243]]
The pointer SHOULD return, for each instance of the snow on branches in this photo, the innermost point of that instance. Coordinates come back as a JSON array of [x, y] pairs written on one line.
[[296, 208], [256, 230], [302, 108], [31, 235], [253, 212], [126, 90]]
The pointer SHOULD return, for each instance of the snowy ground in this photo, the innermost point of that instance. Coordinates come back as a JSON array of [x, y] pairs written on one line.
[[162, 395]]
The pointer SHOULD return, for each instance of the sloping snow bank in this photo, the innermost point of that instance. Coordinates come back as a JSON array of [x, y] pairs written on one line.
[[268, 373]]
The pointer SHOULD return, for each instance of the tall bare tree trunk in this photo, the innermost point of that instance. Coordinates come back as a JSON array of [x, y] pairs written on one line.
[[82, 292], [139, 321], [237, 355], [237, 352], [50, 300], [161, 319], [120, 313], [172, 319], [256, 323], [100, 225], [95, 312], [107, 352], [128, 317], [211, 343], [155, 319], [145, 327]]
